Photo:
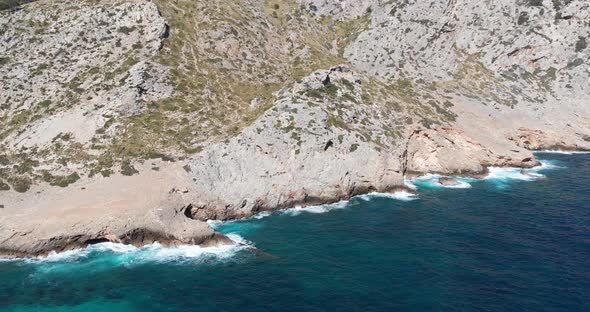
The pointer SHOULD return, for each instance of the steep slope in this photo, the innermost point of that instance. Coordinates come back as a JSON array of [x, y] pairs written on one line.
[[70, 71], [523, 64], [135, 121]]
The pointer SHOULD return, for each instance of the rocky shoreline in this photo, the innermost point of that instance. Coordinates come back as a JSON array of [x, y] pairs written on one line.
[[136, 237], [295, 153], [27, 244]]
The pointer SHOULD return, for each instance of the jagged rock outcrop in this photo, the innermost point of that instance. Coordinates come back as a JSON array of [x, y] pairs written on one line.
[[448, 150], [312, 147], [46, 221]]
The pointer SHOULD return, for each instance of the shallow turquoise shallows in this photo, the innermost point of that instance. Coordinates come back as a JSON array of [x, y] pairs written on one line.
[[512, 242]]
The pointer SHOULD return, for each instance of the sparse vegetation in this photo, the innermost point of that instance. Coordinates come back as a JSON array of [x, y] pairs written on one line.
[[535, 2], [127, 169], [65, 181], [4, 186], [44, 104], [581, 44], [523, 18], [330, 89], [20, 184], [347, 30], [337, 122], [126, 30]]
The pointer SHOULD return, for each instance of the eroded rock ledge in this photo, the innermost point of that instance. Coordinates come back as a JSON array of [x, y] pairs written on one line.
[[136, 237]]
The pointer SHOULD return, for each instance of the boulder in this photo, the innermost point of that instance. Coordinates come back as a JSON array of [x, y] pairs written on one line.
[[446, 181]]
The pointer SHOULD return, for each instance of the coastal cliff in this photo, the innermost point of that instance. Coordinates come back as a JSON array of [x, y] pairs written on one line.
[[135, 121]]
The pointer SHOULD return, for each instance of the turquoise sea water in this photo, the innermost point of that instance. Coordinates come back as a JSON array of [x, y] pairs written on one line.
[[511, 242]]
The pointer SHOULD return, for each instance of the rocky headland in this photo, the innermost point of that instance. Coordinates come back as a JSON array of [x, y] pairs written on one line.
[[136, 121]]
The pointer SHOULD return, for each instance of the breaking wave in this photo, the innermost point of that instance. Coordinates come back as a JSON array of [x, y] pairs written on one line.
[[318, 209], [401, 195], [108, 255], [500, 176], [314, 209], [249, 224], [506, 174]]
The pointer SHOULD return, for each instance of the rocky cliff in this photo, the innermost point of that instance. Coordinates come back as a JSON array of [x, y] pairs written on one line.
[[135, 120]]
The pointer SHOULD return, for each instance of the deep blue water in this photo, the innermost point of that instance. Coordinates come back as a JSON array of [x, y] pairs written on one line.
[[508, 243]]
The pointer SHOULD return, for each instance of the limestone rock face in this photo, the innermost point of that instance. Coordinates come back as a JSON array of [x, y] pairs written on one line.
[[308, 149], [420, 39], [540, 140], [447, 150], [78, 65], [316, 146], [514, 64]]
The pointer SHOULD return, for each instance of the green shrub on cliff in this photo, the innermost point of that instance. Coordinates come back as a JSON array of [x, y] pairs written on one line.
[[4, 186], [65, 181], [20, 184], [61, 181], [127, 168]]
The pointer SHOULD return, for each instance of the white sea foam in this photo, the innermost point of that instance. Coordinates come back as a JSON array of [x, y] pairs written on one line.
[[511, 173], [113, 254], [432, 181], [314, 209], [243, 224], [261, 215], [401, 195], [460, 185], [500, 176], [190, 253], [77, 254], [409, 183], [218, 223]]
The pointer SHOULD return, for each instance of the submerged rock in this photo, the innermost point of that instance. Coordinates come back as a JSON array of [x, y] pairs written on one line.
[[446, 181], [528, 174]]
